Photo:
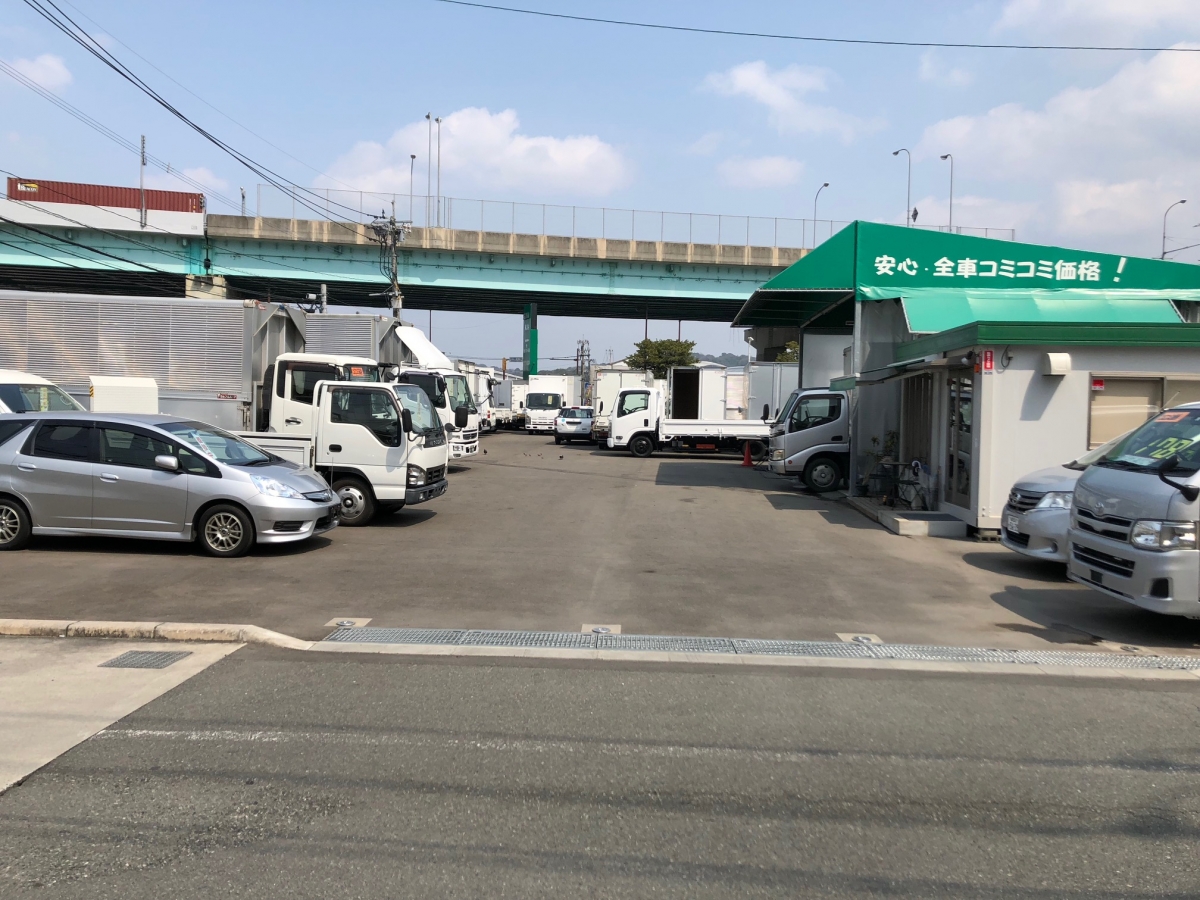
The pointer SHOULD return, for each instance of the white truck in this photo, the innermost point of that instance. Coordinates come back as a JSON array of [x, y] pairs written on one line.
[[639, 423], [545, 396], [447, 388], [606, 384], [509, 396], [380, 446]]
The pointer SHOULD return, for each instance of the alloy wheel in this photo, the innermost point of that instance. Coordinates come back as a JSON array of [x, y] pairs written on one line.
[[223, 531], [10, 524]]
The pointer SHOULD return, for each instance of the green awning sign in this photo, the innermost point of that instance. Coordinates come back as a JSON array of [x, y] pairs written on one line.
[[964, 268]]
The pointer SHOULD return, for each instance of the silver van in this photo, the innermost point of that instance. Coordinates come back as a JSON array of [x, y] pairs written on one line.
[[151, 476]]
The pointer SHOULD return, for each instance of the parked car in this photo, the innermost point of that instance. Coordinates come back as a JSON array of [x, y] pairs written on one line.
[[1038, 512], [152, 476], [22, 392], [572, 424]]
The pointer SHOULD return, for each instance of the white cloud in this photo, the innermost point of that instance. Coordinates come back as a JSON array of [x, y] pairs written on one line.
[[762, 172], [484, 151], [784, 93], [47, 70], [164, 181], [1109, 15], [706, 144], [934, 71], [1101, 159]]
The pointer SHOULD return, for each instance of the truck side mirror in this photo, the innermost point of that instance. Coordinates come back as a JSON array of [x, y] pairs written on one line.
[[406, 420], [601, 407], [461, 415], [766, 411]]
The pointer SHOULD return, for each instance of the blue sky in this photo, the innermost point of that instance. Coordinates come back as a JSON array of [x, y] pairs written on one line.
[[1083, 149]]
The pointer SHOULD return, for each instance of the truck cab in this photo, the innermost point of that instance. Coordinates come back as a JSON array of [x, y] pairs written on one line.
[[450, 394], [811, 438], [22, 392], [1134, 517], [541, 409], [289, 385]]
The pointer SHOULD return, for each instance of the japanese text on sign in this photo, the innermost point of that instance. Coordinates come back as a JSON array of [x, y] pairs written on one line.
[[1052, 270]]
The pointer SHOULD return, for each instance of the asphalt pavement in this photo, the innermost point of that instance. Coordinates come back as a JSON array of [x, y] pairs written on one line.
[[282, 774], [542, 537]]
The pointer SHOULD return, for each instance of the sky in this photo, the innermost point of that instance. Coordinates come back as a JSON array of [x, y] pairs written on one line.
[[1082, 149]]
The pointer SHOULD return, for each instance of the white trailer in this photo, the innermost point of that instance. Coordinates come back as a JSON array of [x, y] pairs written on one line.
[[639, 424], [545, 396], [509, 396]]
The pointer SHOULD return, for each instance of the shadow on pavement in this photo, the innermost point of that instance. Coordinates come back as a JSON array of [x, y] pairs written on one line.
[[142, 547], [403, 518], [705, 473], [1056, 613], [1017, 566]]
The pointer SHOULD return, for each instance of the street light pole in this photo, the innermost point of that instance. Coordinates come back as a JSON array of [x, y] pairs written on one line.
[[907, 193], [412, 163], [428, 167], [815, 196], [439, 170], [950, 156], [1164, 243]]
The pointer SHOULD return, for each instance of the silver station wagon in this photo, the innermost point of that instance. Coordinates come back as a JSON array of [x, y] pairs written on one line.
[[151, 476]]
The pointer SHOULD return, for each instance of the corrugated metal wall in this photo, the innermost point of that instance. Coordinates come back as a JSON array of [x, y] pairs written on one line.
[[185, 345], [35, 191], [343, 335]]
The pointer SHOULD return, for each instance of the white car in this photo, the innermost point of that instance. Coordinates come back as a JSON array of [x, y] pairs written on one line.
[[573, 423], [21, 392]]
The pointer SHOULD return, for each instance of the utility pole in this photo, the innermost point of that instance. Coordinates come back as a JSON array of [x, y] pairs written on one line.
[[391, 234], [142, 181], [324, 299]]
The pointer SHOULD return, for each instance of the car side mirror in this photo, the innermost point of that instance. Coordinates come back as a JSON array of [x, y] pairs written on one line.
[[166, 462], [766, 411], [601, 407], [406, 420], [461, 415], [1189, 491]]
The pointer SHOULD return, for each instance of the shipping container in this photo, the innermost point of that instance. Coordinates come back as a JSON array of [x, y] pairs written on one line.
[[33, 191]]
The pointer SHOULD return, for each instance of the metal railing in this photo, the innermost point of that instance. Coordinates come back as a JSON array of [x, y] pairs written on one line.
[[553, 220]]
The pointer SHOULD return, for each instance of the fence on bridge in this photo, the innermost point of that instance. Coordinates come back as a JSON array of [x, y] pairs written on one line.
[[552, 220]]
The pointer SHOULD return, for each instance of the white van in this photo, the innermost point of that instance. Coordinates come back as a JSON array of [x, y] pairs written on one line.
[[21, 392]]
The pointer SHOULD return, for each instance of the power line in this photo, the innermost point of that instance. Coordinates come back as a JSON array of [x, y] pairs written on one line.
[[813, 38]]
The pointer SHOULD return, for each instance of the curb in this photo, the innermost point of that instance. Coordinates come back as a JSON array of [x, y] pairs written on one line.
[[151, 631]]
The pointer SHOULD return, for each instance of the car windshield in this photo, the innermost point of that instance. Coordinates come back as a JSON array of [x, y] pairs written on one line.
[[416, 401], [21, 398], [432, 384], [543, 401], [460, 393], [1175, 432], [217, 444], [1092, 456]]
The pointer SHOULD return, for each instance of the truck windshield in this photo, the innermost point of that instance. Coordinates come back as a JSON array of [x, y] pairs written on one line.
[[416, 401], [217, 444], [787, 408], [543, 401], [360, 373], [1175, 432], [460, 393], [21, 398], [432, 384]]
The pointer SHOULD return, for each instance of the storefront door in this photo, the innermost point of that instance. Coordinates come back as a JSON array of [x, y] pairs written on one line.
[[960, 421]]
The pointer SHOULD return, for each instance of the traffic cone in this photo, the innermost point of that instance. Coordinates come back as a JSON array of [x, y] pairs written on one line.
[[747, 463]]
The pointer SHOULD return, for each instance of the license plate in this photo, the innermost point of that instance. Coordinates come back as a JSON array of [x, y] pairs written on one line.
[[1013, 524]]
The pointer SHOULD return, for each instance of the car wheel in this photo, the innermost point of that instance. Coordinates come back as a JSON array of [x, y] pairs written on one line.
[[14, 525], [357, 502], [557, 439], [226, 530], [641, 446], [822, 475]]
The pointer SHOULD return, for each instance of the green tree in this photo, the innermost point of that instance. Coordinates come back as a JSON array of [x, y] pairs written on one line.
[[658, 356], [790, 354]]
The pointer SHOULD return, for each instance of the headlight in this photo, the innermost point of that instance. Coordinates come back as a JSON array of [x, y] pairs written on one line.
[[274, 488], [1151, 534], [1055, 500], [777, 454], [416, 476]]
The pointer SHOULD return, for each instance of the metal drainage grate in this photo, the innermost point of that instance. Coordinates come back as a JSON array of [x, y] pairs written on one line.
[[752, 647], [146, 659]]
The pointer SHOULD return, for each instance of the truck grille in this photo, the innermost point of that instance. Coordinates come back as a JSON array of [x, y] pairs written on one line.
[[437, 473], [1023, 501], [1106, 562], [1114, 527], [468, 436]]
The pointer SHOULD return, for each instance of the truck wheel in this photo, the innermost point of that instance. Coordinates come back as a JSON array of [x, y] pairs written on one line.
[[641, 446], [225, 530], [758, 450], [357, 503], [14, 525], [822, 475]]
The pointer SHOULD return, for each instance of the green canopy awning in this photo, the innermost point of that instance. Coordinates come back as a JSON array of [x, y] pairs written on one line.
[[933, 310]]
